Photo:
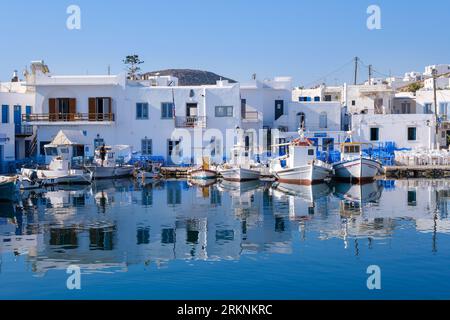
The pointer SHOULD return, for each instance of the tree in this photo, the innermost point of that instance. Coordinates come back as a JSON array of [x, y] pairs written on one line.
[[415, 86], [132, 63]]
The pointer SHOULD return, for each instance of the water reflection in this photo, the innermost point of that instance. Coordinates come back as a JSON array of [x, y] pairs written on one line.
[[120, 223]]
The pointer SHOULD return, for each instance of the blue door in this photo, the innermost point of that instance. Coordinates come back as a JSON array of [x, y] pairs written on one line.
[[18, 118], [28, 111]]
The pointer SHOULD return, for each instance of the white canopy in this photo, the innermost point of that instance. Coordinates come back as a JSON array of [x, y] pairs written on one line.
[[70, 137]]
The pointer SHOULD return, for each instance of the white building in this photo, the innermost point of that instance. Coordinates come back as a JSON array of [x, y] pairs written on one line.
[[441, 83], [154, 116], [415, 131], [16, 101], [440, 69]]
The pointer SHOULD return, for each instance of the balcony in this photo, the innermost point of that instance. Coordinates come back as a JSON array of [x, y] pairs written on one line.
[[68, 118], [251, 116], [23, 130], [190, 122]]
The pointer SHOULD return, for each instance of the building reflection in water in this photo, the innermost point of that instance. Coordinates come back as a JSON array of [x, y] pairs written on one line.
[[114, 224]]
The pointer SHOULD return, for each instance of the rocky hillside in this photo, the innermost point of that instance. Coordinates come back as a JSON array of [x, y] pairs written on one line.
[[188, 77]]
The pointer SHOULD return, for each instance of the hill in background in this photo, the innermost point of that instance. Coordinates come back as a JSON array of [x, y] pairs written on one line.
[[188, 77]]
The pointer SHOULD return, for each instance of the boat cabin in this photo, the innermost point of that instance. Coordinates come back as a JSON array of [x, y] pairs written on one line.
[[67, 145], [351, 150], [300, 155], [120, 154]]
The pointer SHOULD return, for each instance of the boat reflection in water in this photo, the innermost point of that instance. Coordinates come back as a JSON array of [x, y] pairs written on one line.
[[113, 225]]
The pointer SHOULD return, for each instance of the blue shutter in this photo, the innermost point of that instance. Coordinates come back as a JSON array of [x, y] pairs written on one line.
[[5, 114]]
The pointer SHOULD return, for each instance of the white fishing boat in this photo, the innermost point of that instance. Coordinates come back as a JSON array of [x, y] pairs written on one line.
[[354, 166], [240, 167], [302, 165], [59, 171], [67, 147], [7, 188], [148, 172], [114, 165], [26, 183], [203, 172]]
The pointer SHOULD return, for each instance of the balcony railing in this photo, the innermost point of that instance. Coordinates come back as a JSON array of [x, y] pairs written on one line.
[[23, 130], [68, 117], [190, 122], [252, 116]]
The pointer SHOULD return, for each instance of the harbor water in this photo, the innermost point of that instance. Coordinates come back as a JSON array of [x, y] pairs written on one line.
[[254, 240]]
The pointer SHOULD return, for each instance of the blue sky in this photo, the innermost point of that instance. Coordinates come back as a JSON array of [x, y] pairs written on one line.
[[305, 39]]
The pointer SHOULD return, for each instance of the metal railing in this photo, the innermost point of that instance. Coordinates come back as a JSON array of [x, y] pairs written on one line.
[[23, 130], [68, 117], [190, 122]]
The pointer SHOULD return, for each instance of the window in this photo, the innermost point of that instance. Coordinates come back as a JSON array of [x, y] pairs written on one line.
[[167, 110], [5, 114], [142, 111], [215, 146], [352, 149], [323, 120], [412, 134], [353, 103], [42, 145], [443, 109], [301, 118], [374, 134], [224, 111], [427, 108], [310, 152], [327, 97], [406, 107], [146, 146], [316, 99], [243, 108], [98, 142], [63, 105]]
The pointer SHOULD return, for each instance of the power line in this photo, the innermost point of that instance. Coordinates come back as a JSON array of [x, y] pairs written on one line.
[[331, 73]]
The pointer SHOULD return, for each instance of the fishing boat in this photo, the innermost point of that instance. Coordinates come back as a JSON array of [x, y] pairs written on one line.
[[66, 147], [203, 172], [114, 165], [28, 183], [59, 171], [7, 188], [302, 165], [355, 167], [241, 167], [148, 172]]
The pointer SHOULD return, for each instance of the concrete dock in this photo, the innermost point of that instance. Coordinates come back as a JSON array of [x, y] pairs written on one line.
[[417, 171]]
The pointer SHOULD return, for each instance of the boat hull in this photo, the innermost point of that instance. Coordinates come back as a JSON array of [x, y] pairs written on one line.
[[84, 178], [202, 174], [303, 175], [360, 170], [239, 174], [99, 172], [7, 190]]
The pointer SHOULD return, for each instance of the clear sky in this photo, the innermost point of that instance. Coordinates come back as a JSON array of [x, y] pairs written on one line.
[[305, 39]]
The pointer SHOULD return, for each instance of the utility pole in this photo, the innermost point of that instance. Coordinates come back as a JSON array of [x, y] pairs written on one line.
[[370, 74], [435, 106], [356, 70]]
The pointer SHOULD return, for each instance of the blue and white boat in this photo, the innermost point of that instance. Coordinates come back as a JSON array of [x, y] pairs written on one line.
[[7, 188]]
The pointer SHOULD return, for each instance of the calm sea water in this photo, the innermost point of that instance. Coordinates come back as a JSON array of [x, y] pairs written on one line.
[[175, 240]]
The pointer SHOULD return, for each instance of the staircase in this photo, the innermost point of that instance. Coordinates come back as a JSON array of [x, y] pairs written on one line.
[[32, 150]]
